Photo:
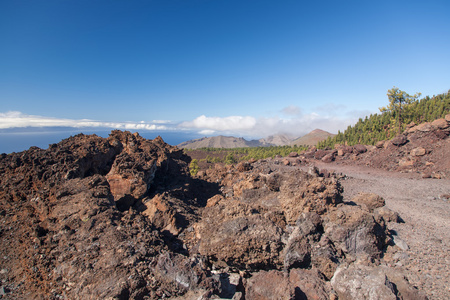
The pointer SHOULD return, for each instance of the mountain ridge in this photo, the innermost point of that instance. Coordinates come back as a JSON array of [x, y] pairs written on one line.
[[312, 138], [221, 141]]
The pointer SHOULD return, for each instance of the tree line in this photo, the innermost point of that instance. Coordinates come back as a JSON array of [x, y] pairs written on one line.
[[234, 155], [403, 109]]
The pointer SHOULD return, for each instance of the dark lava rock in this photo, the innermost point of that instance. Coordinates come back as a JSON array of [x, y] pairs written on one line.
[[399, 140], [122, 218]]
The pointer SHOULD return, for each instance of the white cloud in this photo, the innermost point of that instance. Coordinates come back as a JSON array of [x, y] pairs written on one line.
[[247, 126], [15, 119], [242, 126], [232, 123], [207, 132]]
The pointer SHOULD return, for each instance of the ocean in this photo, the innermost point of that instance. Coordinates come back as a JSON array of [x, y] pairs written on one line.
[[19, 140]]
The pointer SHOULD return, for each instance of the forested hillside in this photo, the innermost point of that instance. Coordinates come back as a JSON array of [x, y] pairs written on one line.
[[385, 125]]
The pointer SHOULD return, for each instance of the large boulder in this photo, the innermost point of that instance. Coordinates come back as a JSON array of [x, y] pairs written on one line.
[[163, 214], [447, 118], [266, 219], [235, 234], [424, 127], [320, 153], [355, 231], [440, 124], [134, 168], [343, 149], [267, 285], [297, 252], [304, 194], [179, 274], [309, 284], [297, 284], [359, 148], [380, 144], [369, 201], [419, 151], [399, 140], [329, 157], [372, 282]]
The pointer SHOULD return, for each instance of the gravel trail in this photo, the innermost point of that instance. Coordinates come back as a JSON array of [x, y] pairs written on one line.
[[424, 205]]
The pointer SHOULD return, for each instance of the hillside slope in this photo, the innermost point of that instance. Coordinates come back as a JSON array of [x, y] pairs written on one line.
[[312, 138], [276, 140], [384, 126], [234, 142], [218, 142]]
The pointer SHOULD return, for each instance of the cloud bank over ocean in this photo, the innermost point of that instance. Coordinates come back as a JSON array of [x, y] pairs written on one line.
[[294, 123], [15, 119]]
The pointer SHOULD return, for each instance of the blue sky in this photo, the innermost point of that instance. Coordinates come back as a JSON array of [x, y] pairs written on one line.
[[243, 68]]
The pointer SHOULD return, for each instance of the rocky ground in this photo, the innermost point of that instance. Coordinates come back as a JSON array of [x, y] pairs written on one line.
[[424, 205], [121, 218]]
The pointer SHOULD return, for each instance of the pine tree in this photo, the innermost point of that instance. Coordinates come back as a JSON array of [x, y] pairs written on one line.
[[399, 102]]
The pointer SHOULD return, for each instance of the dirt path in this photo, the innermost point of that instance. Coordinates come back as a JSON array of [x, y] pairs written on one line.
[[423, 206]]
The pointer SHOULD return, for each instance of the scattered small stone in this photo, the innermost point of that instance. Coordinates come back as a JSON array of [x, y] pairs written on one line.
[[445, 197], [400, 243], [437, 176], [419, 151], [3, 291]]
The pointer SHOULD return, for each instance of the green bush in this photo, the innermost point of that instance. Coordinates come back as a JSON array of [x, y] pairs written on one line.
[[230, 159], [193, 167]]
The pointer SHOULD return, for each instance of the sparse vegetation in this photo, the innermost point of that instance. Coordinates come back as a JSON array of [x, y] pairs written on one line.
[[234, 155], [230, 159]]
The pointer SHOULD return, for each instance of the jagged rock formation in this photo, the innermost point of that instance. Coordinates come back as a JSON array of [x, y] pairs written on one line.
[[121, 218], [72, 226]]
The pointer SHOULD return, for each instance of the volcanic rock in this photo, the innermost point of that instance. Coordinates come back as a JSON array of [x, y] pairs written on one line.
[[447, 118], [369, 201], [319, 154], [386, 214], [343, 149], [234, 234], [399, 140], [267, 285], [360, 148], [355, 231], [298, 284], [122, 218], [88, 241], [380, 144], [440, 124], [293, 154], [328, 158], [419, 151], [424, 127], [368, 282]]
